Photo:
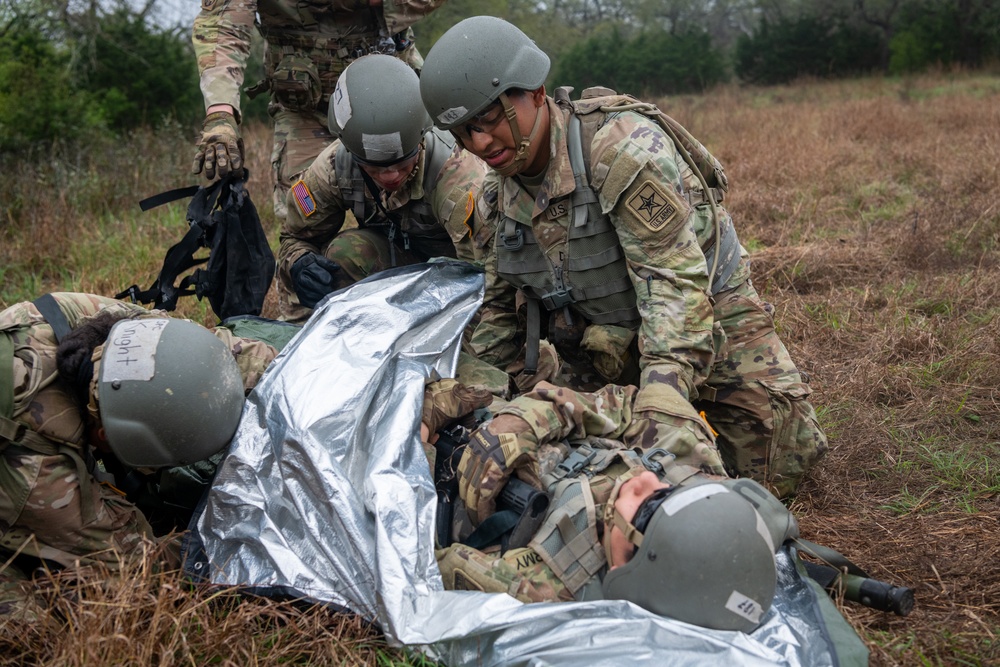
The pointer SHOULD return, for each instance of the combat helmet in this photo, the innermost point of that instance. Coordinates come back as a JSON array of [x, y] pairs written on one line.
[[704, 556], [472, 66], [169, 392], [376, 110]]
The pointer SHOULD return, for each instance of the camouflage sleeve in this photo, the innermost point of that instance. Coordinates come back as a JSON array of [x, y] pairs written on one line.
[[497, 339], [252, 356], [77, 306], [401, 14], [453, 200], [221, 38], [304, 230], [554, 413], [638, 176]]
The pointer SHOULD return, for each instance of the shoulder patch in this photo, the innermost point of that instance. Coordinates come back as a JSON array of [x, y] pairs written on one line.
[[303, 198], [470, 207], [652, 206]]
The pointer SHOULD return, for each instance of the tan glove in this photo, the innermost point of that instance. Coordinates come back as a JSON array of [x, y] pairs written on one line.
[[505, 446], [446, 401], [220, 147]]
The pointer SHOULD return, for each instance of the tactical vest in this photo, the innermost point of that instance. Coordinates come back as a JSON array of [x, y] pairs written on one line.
[[415, 222], [593, 279], [311, 42], [16, 435], [569, 541]]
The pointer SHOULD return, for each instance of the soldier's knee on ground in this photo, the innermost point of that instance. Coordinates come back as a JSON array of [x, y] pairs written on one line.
[[771, 434]]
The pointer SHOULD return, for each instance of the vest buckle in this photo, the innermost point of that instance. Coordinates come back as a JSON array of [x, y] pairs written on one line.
[[515, 243]]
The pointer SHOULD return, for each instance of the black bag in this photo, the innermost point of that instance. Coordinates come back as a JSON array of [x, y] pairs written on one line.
[[240, 264]]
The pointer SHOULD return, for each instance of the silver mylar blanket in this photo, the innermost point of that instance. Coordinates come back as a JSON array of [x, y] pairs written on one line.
[[326, 492]]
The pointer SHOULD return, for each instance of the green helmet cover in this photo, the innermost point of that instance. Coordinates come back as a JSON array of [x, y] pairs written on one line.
[[706, 558], [376, 110], [170, 392], [475, 61]]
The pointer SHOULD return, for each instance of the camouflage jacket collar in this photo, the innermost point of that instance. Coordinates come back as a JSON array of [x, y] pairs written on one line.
[[558, 174]]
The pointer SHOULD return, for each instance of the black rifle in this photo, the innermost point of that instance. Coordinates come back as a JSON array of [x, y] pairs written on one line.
[[449, 445], [520, 507], [863, 590]]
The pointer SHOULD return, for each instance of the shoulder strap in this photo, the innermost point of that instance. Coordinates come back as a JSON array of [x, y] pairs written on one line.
[[167, 197], [438, 148], [53, 314], [6, 377]]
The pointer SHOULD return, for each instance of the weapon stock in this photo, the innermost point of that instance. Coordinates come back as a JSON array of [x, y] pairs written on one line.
[[863, 590]]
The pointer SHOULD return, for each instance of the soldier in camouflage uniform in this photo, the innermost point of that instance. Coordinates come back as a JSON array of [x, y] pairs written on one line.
[[52, 505], [58, 414], [308, 45], [409, 186], [611, 241], [603, 494]]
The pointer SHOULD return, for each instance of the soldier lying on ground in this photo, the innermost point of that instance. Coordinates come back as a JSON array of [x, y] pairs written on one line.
[[308, 45], [623, 524], [138, 391], [408, 185], [611, 242]]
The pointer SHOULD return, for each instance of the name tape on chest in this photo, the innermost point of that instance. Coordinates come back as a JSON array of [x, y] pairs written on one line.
[[557, 209], [653, 206]]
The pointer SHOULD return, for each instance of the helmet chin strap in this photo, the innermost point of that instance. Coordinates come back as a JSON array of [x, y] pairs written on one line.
[[613, 518], [523, 144]]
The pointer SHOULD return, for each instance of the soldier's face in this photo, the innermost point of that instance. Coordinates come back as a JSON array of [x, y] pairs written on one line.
[[393, 177], [630, 497], [489, 137]]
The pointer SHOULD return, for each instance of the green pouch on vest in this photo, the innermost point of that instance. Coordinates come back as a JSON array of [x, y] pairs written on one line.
[[295, 83]]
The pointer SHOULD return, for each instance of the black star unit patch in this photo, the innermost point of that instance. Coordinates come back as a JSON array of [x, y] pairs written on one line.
[[652, 206]]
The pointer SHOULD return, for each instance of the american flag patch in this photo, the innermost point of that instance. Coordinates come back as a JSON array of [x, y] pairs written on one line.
[[304, 198]]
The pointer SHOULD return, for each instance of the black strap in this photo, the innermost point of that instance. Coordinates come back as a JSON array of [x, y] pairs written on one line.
[[53, 314], [491, 530], [394, 220], [167, 197], [534, 327]]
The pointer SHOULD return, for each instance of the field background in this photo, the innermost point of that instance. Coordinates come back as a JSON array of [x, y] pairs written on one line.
[[870, 208]]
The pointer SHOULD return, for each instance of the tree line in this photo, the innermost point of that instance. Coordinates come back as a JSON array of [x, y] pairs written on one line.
[[68, 67]]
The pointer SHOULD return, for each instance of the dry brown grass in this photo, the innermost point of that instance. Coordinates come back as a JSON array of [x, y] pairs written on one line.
[[871, 208], [139, 616], [871, 211]]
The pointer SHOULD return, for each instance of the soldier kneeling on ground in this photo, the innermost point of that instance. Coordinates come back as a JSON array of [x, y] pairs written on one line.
[[408, 185]]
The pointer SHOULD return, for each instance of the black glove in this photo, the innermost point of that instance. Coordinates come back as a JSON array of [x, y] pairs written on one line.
[[313, 278]]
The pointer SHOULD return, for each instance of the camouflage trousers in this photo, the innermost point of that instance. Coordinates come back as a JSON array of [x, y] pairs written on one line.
[[756, 399], [47, 513], [299, 136], [520, 573], [359, 253]]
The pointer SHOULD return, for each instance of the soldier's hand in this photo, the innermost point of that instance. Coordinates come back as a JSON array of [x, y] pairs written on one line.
[[446, 401], [505, 446], [313, 277], [220, 149]]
